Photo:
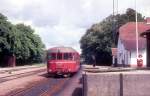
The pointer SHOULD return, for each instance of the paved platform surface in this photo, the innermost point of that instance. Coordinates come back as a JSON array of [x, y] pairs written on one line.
[[126, 83]]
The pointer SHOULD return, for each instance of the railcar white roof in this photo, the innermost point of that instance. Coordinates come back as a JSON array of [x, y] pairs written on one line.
[[62, 50]]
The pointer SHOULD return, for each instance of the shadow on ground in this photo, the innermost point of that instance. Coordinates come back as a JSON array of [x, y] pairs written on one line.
[[53, 76], [77, 92]]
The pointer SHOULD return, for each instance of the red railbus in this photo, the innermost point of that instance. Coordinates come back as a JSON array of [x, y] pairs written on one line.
[[62, 61]]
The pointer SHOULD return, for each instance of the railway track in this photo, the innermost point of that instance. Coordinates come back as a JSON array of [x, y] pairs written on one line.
[[20, 75], [55, 89], [22, 92], [47, 87]]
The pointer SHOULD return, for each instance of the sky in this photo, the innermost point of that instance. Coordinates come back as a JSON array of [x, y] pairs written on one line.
[[64, 22]]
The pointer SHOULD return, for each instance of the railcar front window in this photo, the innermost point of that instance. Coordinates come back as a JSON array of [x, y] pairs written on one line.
[[68, 56], [59, 56]]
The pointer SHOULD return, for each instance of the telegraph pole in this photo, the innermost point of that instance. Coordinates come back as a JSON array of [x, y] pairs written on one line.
[[136, 29], [113, 7], [113, 27], [114, 49]]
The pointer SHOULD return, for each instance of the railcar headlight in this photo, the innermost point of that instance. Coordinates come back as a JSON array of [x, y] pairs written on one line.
[[69, 69]]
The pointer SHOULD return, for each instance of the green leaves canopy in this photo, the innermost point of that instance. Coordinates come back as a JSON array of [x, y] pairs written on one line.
[[6, 30], [29, 46], [19, 40]]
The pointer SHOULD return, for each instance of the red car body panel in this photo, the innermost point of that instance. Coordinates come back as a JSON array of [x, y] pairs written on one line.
[[63, 66]]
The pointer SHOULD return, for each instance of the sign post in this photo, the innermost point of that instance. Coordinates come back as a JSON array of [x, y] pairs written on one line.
[[140, 61]]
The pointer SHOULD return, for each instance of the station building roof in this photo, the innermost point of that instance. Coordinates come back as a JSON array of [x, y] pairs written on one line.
[[127, 34]]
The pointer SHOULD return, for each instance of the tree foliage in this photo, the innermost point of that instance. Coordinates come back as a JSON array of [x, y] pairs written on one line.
[[29, 47], [19, 40], [6, 30], [99, 39]]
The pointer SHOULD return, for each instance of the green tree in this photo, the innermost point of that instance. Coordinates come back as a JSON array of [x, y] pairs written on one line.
[[99, 39], [7, 31], [30, 47], [19, 41]]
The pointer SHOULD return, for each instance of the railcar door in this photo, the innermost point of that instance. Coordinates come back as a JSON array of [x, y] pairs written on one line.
[[59, 56]]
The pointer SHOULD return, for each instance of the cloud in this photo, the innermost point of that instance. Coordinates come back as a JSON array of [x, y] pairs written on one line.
[[63, 22], [61, 35]]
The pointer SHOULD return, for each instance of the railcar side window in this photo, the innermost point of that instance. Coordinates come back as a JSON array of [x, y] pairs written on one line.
[[66, 56], [70, 56]]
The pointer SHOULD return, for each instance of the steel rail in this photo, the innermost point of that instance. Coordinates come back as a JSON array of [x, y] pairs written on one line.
[[20, 75], [29, 87]]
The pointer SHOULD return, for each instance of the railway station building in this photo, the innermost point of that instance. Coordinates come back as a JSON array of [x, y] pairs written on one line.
[[126, 48]]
